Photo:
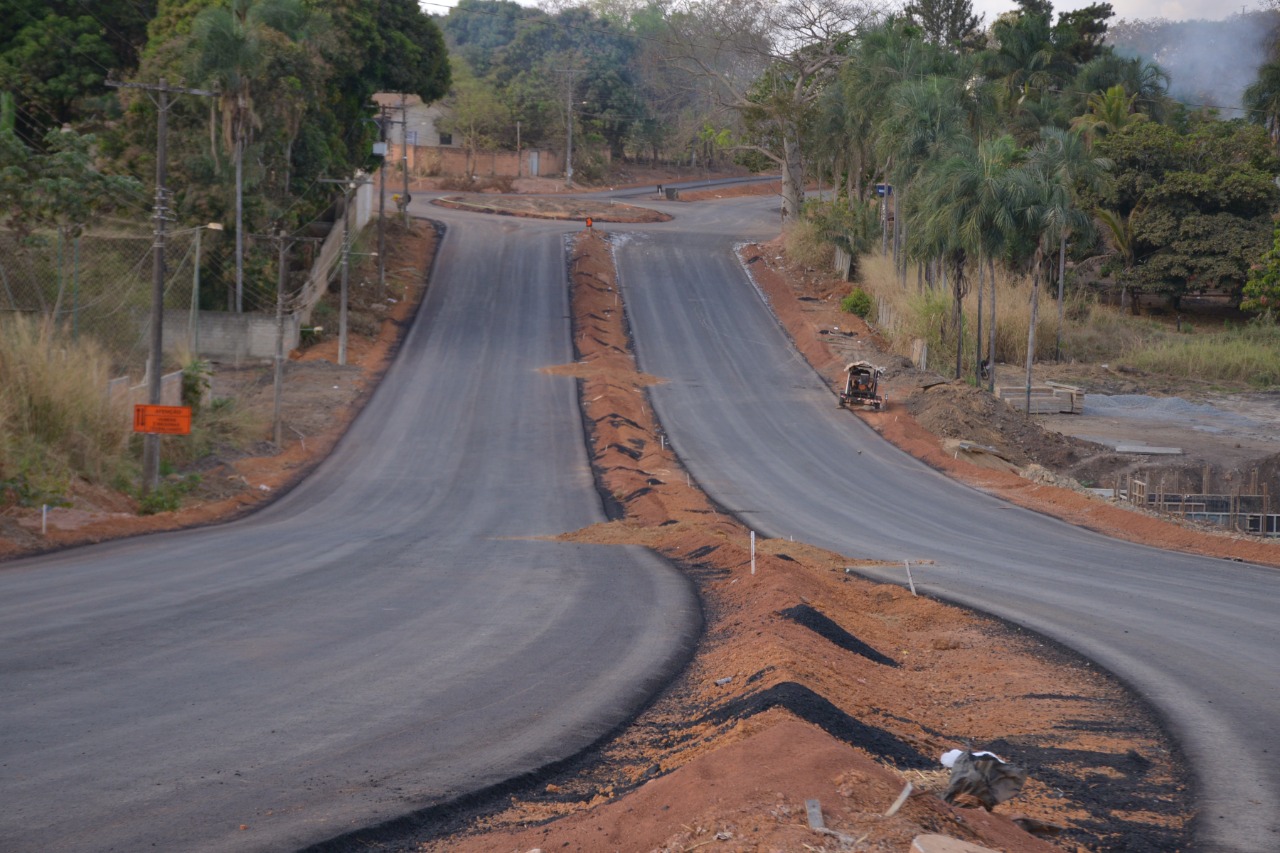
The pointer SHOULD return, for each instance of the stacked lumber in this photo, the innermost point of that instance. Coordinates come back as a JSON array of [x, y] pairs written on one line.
[[1051, 398]]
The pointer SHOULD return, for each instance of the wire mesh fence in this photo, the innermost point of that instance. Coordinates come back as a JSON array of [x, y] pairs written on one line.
[[99, 284]]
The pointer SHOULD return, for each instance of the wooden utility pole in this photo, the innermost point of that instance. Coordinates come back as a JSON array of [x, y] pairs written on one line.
[[160, 214]]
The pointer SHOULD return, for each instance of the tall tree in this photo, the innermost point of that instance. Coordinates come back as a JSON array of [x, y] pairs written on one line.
[[771, 62], [947, 23], [970, 214], [58, 187], [232, 49], [1262, 100]]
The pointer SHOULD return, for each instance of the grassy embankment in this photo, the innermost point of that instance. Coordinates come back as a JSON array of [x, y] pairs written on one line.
[[58, 427], [1242, 352]]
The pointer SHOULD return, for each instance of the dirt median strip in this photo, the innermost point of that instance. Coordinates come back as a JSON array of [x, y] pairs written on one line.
[[879, 682]]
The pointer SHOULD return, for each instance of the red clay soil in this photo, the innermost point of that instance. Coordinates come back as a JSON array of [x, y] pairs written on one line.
[[542, 207], [806, 313], [812, 683], [732, 191]]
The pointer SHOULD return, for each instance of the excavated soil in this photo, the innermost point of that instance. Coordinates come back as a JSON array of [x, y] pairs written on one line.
[[541, 207]]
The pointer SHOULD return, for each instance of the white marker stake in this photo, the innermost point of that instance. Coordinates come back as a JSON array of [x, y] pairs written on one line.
[[909, 580], [44, 519], [753, 552]]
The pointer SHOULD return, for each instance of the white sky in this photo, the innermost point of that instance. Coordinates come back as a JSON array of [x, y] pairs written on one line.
[[1173, 10]]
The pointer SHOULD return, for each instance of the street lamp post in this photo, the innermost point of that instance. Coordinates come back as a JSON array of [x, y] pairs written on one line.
[[194, 331]]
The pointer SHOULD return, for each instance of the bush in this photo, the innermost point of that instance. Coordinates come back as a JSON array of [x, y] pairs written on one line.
[[857, 302], [56, 422]]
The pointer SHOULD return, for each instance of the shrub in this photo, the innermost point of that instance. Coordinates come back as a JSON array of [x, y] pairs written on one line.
[[857, 302]]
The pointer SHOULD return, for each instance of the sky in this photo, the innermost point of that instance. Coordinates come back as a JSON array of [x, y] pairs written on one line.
[[1173, 10]]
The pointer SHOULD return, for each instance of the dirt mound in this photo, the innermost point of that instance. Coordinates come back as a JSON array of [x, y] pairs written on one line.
[[960, 411], [544, 207]]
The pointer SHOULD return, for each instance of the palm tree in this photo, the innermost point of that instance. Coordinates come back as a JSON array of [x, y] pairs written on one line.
[[231, 54], [1109, 112], [1147, 81], [927, 116], [1045, 190], [1067, 155], [971, 215]]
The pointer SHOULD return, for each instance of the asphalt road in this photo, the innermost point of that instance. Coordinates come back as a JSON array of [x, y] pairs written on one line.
[[390, 634], [1199, 638]]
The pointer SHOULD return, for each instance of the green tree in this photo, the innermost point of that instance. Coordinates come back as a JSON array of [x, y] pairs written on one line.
[[59, 187], [1199, 204], [1066, 156], [971, 214], [232, 55], [770, 63], [56, 55], [1109, 112], [947, 23], [1262, 99], [476, 114], [1261, 294]]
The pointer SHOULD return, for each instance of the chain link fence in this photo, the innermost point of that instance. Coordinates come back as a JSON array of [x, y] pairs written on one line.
[[98, 285]]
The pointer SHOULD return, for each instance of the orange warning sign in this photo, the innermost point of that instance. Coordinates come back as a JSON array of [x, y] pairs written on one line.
[[164, 420]]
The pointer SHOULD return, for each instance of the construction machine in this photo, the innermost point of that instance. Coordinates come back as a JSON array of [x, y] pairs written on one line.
[[862, 385]]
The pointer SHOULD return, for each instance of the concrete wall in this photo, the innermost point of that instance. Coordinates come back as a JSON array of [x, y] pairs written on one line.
[[430, 160], [230, 337]]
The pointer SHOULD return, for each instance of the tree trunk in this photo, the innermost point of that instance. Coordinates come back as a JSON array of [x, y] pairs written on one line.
[[991, 329], [957, 289], [792, 175], [1031, 327], [239, 306], [977, 350], [1062, 274]]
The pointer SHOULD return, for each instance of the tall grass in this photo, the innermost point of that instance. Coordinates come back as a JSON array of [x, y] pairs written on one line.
[[1243, 354], [1091, 332], [907, 314], [56, 422]]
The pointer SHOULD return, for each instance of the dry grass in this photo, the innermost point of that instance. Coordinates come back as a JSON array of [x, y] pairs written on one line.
[[55, 419], [1245, 354], [1090, 332]]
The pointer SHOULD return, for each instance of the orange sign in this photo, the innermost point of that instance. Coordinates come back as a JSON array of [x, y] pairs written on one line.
[[165, 420]]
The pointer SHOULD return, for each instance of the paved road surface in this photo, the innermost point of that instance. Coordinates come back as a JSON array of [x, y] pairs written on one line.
[[386, 636], [1198, 637]]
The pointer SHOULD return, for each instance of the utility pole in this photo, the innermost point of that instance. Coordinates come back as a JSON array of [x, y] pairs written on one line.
[[283, 241], [282, 278], [404, 156], [382, 207], [160, 213], [568, 157], [349, 186], [568, 114]]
